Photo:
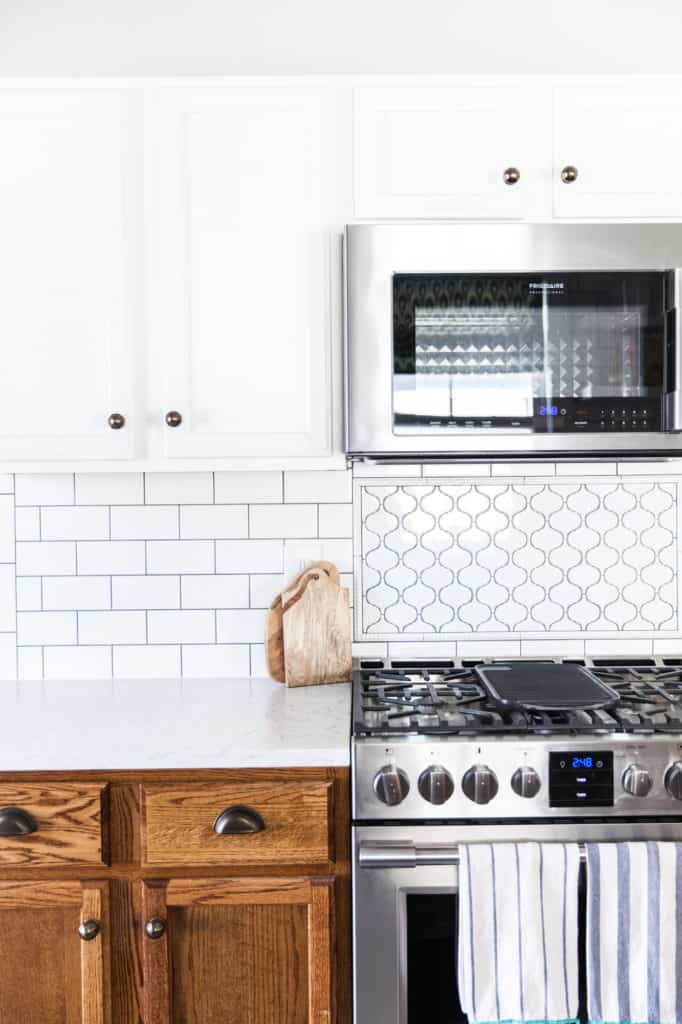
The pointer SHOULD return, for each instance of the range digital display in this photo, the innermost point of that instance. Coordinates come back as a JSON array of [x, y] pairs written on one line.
[[580, 778]]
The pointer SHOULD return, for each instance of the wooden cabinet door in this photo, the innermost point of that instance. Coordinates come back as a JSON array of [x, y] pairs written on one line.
[[625, 141], [426, 151], [49, 974], [239, 951], [69, 239], [248, 192]]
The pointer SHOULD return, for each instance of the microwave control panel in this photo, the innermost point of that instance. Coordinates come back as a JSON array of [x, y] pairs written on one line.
[[596, 415]]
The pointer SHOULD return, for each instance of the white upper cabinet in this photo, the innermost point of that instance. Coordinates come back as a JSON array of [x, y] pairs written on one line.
[[248, 190], [69, 238], [625, 142], [452, 151]]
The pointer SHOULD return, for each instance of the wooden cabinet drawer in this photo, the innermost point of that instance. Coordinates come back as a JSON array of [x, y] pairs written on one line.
[[66, 820], [179, 823]]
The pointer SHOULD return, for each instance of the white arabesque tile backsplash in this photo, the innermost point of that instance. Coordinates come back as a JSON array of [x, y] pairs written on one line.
[[166, 574]]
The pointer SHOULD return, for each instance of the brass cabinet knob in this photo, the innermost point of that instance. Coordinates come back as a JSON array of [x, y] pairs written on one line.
[[116, 421], [511, 175], [569, 174], [155, 927], [173, 418], [88, 929]]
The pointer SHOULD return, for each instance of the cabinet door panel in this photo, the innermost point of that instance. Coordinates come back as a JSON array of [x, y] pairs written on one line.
[[626, 143], [441, 151], [67, 266], [242, 951], [245, 266], [48, 974]]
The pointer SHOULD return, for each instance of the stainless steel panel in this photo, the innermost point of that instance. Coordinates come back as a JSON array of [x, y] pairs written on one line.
[[375, 252]]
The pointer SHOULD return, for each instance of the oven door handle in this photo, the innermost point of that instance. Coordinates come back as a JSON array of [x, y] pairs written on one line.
[[407, 855]]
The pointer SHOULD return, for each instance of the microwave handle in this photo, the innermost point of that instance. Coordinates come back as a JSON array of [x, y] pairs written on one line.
[[672, 398]]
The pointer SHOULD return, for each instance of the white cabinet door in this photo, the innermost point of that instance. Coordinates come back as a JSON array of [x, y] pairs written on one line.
[[68, 226], [625, 141], [248, 192], [443, 151]]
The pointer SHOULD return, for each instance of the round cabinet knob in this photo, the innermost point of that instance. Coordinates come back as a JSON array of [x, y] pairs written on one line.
[[526, 782], [637, 781], [480, 784], [569, 174], [435, 784], [673, 780], [391, 785], [88, 930], [511, 175], [155, 927], [173, 418], [116, 421]]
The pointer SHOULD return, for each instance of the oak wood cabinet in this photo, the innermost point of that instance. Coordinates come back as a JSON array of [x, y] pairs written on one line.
[[189, 929]]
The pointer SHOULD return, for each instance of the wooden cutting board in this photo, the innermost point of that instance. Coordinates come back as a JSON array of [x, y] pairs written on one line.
[[317, 631], [274, 627]]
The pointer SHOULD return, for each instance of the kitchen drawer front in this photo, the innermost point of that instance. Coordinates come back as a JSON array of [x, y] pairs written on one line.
[[295, 821], [67, 823]]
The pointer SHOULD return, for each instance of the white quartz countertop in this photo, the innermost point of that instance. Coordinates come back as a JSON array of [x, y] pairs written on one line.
[[172, 723]]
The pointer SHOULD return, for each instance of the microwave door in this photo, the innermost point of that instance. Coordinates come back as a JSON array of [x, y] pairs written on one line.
[[672, 402]]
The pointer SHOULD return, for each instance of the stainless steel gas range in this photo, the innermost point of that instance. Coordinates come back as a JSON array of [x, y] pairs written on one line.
[[440, 759]]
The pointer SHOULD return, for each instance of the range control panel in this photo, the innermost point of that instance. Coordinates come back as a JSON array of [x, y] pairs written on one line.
[[596, 415], [578, 778]]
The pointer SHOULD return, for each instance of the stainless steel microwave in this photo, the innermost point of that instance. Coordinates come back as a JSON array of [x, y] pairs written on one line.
[[502, 341]]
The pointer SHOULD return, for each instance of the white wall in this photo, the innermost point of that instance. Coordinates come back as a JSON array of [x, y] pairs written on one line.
[[86, 37]]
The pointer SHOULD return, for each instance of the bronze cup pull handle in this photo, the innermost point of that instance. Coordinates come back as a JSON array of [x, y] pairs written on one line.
[[238, 821], [15, 821]]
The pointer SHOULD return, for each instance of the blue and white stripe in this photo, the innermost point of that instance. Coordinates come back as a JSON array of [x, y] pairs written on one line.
[[518, 931], [634, 932]]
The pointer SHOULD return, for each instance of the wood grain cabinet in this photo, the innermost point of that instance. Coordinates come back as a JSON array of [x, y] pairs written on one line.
[[190, 897]]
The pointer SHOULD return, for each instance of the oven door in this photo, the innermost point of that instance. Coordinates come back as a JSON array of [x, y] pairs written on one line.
[[405, 909], [467, 340]]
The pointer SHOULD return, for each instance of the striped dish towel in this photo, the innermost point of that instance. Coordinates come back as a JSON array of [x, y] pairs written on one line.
[[518, 931], [634, 932]]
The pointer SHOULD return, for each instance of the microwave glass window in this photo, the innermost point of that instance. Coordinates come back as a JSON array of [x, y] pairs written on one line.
[[528, 352]]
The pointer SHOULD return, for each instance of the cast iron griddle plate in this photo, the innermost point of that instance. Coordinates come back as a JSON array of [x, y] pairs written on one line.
[[547, 686]]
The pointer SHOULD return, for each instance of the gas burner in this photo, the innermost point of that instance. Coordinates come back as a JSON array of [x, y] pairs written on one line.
[[446, 698]]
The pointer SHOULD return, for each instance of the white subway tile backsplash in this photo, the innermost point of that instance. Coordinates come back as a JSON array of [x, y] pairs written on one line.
[[523, 469], [73, 593], [300, 553], [282, 521], [581, 469], [617, 648], [219, 591], [179, 488], [464, 470], [488, 648], [29, 593], [219, 522], [8, 656], [109, 488], [365, 471], [6, 528], [241, 626], [336, 520], [8, 608], [310, 486], [111, 558], [142, 592], [77, 662], [367, 649], [46, 558], [185, 627], [264, 588], [180, 556], [249, 556], [247, 487], [114, 627], [6, 483], [425, 649], [27, 523], [557, 648], [46, 628], [144, 522], [80, 523], [215, 661], [44, 488], [29, 662], [142, 662], [258, 664], [666, 467], [670, 648]]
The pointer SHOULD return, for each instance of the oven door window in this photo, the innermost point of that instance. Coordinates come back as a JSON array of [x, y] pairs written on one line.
[[432, 959], [562, 352]]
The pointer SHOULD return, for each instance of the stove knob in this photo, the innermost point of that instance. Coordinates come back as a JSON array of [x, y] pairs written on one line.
[[435, 784], [637, 781], [526, 782], [673, 780], [480, 784], [391, 785]]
